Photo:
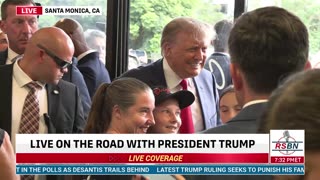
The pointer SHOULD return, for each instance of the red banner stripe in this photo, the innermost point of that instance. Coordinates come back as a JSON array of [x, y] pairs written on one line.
[[29, 10], [141, 158]]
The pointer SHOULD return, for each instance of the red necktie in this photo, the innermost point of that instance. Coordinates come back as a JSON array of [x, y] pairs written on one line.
[[186, 115], [30, 116], [30, 113]]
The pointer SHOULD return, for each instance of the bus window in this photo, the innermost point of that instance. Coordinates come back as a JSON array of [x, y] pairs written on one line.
[[308, 12], [87, 21]]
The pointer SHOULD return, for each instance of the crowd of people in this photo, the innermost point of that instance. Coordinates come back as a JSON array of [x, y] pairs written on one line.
[[258, 75]]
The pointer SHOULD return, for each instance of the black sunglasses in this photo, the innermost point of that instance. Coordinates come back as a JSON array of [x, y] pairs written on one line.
[[60, 62]]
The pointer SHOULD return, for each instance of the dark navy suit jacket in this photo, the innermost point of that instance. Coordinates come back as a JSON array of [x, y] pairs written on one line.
[[205, 84], [219, 65], [246, 122], [74, 76], [64, 105], [94, 72]]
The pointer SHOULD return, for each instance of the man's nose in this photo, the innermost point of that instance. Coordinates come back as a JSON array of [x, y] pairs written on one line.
[[26, 28], [200, 55], [174, 118]]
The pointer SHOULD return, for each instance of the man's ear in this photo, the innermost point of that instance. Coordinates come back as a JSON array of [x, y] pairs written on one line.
[[3, 26], [307, 66], [166, 49], [236, 76], [41, 54]]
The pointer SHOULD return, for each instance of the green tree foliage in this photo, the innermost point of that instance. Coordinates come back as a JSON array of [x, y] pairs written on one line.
[[308, 12], [148, 17]]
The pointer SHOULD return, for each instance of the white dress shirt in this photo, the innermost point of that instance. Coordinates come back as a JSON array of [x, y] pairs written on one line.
[[173, 82], [85, 53], [19, 94], [11, 56]]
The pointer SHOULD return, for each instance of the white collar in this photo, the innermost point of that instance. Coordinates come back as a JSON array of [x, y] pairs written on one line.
[[11, 55], [172, 79], [255, 102], [85, 53], [21, 77]]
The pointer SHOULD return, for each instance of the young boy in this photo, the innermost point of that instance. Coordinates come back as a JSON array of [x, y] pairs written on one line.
[[167, 109]]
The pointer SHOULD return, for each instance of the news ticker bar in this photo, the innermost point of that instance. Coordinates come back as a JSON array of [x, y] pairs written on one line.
[[160, 169], [95, 158]]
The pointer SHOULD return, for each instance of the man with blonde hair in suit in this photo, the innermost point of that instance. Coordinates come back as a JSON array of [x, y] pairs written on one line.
[[184, 43]]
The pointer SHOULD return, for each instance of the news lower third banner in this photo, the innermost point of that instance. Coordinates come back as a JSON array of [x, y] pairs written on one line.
[[280, 152]]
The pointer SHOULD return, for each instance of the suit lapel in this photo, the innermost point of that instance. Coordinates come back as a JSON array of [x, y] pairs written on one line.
[[202, 97], [252, 112], [157, 70], [53, 94], [3, 57], [6, 98]]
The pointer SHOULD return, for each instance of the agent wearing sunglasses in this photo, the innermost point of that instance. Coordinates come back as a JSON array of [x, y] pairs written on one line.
[[63, 64], [19, 30], [45, 60]]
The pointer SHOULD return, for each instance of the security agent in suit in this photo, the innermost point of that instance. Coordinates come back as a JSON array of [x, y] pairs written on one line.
[[46, 57], [47, 54], [219, 62], [183, 44], [89, 64], [18, 36], [73, 75], [271, 54]]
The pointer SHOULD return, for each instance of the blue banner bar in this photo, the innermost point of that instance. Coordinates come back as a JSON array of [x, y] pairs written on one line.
[[161, 169]]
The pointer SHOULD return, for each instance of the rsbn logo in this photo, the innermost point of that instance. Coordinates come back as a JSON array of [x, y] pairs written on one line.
[[287, 145]]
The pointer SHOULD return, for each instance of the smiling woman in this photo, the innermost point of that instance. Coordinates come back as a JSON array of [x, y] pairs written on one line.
[[124, 106]]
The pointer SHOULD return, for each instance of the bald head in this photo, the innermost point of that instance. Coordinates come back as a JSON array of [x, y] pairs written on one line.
[[53, 39], [46, 55]]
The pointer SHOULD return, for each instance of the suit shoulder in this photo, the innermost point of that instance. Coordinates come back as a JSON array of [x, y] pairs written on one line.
[[140, 72], [66, 84], [223, 129], [206, 72], [136, 71]]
